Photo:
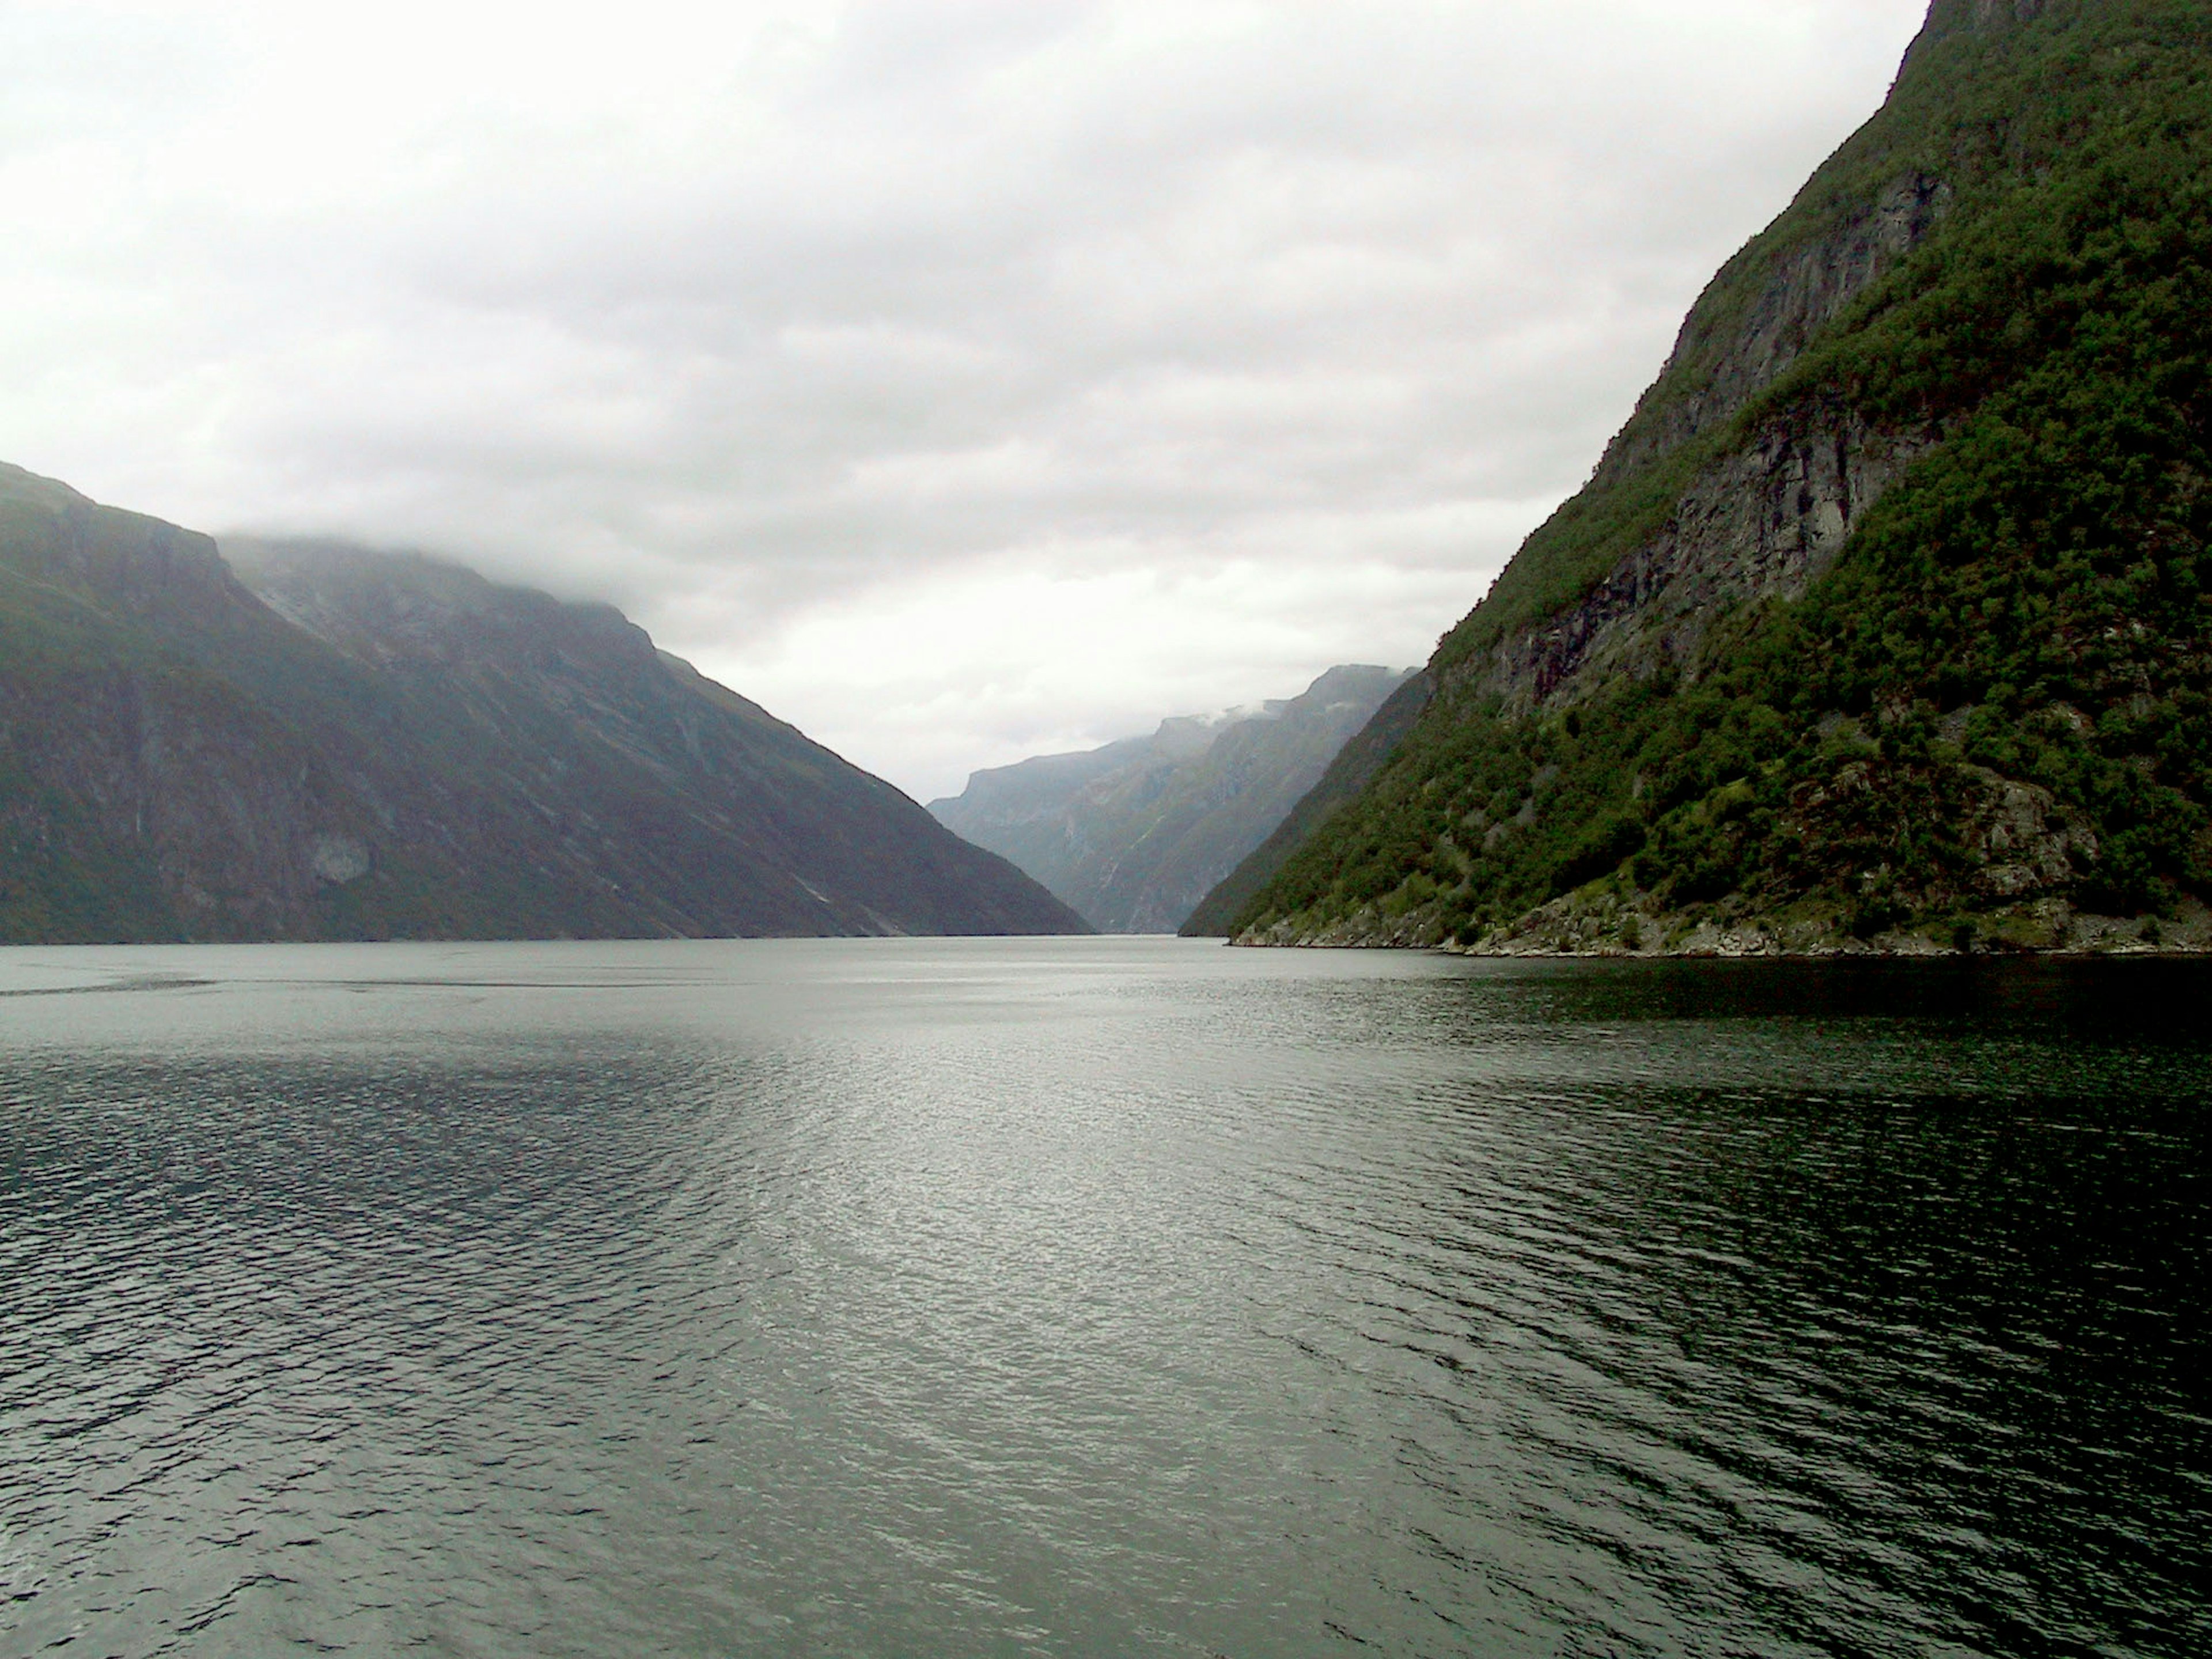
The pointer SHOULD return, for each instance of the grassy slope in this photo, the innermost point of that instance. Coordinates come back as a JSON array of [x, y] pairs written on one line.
[[2037, 577]]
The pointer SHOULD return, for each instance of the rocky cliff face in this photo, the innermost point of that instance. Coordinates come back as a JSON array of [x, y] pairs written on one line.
[[1881, 623], [1134, 833], [1727, 353], [379, 747], [1759, 522]]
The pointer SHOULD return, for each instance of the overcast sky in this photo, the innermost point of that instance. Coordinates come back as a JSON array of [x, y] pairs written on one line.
[[962, 381]]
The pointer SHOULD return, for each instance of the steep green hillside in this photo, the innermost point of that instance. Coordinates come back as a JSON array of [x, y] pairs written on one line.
[[1886, 616], [408, 750]]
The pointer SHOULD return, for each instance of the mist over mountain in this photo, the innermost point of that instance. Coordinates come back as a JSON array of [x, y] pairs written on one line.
[[323, 742], [1885, 623], [1133, 835]]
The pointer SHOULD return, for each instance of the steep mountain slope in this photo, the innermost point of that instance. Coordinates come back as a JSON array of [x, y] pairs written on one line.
[[407, 751], [1885, 619], [1133, 835], [1356, 762]]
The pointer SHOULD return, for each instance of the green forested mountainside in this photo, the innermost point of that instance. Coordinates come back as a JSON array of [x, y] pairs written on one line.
[[1886, 616], [1133, 833], [409, 751]]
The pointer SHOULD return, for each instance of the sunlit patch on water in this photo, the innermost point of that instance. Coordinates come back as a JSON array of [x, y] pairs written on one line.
[[1097, 1297]]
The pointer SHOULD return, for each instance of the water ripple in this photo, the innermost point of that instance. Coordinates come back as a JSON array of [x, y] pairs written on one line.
[[914, 1298]]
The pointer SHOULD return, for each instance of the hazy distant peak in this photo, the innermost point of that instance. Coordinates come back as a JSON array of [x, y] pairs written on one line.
[[1134, 833], [386, 606]]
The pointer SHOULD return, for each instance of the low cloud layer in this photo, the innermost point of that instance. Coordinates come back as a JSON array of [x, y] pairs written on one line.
[[959, 380]]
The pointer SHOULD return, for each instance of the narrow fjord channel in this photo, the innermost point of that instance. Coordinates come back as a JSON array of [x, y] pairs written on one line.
[[1099, 1296]]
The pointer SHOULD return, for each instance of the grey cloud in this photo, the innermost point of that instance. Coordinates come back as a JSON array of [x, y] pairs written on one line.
[[772, 324]]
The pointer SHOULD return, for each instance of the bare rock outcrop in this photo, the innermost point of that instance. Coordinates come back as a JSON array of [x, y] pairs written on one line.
[[1723, 357], [1764, 523]]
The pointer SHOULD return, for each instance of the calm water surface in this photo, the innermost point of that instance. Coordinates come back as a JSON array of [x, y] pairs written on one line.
[[1098, 1297]]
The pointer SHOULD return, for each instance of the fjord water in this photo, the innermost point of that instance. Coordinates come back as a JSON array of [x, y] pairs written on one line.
[[1098, 1296]]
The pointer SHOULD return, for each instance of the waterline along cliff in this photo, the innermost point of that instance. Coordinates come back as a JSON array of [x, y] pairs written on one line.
[[320, 742], [1885, 622]]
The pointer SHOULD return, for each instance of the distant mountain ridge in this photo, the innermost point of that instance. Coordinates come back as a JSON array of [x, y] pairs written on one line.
[[323, 742], [1358, 760], [1133, 835]]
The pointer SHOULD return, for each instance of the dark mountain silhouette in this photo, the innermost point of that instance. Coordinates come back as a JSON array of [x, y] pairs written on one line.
[[326, 743]]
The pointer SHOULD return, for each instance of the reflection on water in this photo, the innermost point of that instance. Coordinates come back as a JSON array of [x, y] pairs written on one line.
[[1098, 1296]]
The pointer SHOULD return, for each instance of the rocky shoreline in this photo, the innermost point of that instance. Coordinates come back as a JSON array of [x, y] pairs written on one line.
[[1617, 925]]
